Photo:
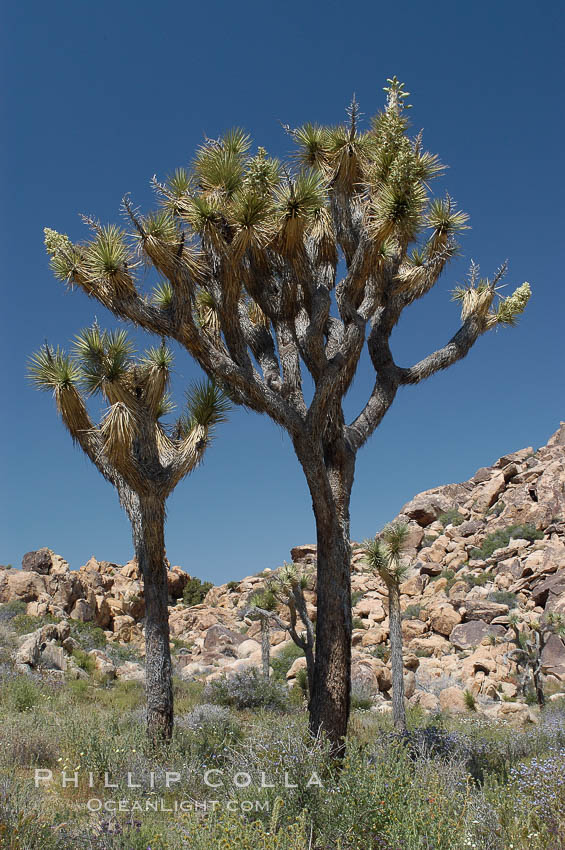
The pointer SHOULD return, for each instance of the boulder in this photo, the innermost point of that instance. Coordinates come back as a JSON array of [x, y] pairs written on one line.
[[52, 657], [130, 671], [247, 648], [297, 665], [430, 645], [444, 618], [482, 609], [219, 637], [553, 658], [307, 552], [371, 608], [427, 507], [38, 561], [471, 634], [103, 665], [452, 701], [27, 586], [489, 492], [83, 611], [413, 629]]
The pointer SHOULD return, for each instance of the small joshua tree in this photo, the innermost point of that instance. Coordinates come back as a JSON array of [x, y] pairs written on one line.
[[384, 556], [530, 642], [143, 460], [288, 586], [261, 605]]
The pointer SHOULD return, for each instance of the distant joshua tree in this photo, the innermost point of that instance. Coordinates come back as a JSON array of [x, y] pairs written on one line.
[[530, 641], [288, 585], [249, 252], [384, 556], [142, 458], [261, 606]]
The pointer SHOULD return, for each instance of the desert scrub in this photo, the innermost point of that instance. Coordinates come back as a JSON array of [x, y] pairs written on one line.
[[11, 609], [247, 689], [83, 660], [209, 729], [501, 538], [23, 624], [504, 597], [88, 635], [195, 590], [20, 693], [411, 612], [451, 517], [282, 662]]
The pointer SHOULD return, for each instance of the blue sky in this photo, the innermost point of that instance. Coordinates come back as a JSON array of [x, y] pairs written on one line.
[[98, 97]]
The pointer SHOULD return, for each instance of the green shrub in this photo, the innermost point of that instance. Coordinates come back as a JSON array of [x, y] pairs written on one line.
[[427, 541], [451, 517], [470, 701], [21, 693], [233, 585], [24, 624], [355, 597], [479, 580], [12, 609], [411, 612], [88, 635], [501, 538], [282, 662], [358, 623], [195, 591], [504, 597], [84, 660], [382, 651], [247, 689]]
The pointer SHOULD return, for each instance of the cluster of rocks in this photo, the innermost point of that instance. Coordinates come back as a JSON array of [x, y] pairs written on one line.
[[456, 634]]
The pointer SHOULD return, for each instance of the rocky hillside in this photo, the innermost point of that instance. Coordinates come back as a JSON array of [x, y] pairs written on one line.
[[479, 550]]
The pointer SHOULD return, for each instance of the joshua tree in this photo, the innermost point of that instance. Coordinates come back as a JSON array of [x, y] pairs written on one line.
[[530, 643], [288, 586], [261, 605], [250, 252], [384, 556], [140, 457]]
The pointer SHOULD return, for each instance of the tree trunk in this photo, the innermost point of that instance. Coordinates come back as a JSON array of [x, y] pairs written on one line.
[[396, 663], [149, 540], [536, 676], [330, 485], [265, 646]]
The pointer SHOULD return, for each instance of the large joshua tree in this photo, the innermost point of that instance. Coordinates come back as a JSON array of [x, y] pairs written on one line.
[[142, 458], [249, 251], [384, 556]]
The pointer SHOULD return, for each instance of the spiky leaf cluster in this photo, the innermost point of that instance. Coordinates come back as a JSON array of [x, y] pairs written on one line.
[[383, 554], [129, 436], [248, 250]]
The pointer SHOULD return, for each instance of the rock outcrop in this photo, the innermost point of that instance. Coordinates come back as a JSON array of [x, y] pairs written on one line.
[[479, 550]]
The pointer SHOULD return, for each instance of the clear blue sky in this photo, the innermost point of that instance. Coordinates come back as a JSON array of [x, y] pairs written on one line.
[[99, 96]]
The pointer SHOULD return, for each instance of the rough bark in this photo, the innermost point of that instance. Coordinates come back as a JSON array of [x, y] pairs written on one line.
[[265, 646], [396, 663], [330, 483], [149, 541]]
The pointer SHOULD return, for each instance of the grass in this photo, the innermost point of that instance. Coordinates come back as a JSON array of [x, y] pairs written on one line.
[[450, 783]]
